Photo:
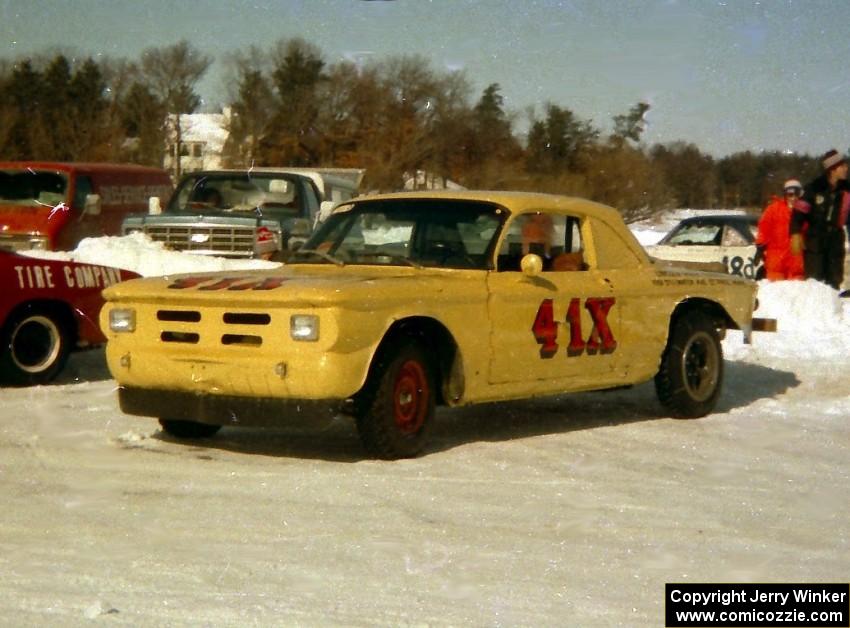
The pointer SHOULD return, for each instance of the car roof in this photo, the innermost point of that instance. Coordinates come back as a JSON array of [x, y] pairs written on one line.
[[722, 219], [516, 202]]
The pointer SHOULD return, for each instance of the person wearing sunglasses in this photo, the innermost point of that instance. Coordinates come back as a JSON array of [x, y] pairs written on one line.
[[819, 221], [774, 240]]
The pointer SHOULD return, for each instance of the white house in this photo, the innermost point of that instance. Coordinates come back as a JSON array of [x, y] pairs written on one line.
[[203, 136]]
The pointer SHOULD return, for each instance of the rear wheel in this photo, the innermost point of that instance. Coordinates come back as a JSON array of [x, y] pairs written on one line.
[[188, 429], [691, 373], [396, 413], [36, 343]]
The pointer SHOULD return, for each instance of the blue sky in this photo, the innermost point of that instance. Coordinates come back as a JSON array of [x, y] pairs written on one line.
[[726, 75]]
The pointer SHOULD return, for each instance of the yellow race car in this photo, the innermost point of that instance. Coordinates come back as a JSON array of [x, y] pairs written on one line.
[[401, 302]]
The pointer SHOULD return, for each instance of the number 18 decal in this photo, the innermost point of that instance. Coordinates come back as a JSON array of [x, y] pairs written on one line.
[[601, 339]]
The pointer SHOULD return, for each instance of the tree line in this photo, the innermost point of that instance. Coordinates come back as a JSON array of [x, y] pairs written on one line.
[[392, 117]]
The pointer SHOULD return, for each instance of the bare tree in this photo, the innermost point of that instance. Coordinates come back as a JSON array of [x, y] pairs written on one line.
[[173, 73]]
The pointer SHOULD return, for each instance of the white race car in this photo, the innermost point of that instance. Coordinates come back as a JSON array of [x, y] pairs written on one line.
[[727, 239]]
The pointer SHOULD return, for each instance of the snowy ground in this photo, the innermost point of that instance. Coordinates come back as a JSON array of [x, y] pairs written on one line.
[[565, 511]]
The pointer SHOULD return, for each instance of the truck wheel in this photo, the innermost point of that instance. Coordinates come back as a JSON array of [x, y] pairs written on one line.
[[188, 429], [396, 416], [36, 343], [691, 372]]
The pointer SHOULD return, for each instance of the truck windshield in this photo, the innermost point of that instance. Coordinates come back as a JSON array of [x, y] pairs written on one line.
[[409, 232], [32, 187], [257, 193]]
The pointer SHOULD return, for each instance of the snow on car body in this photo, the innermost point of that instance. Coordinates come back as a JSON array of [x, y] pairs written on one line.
[[727, 239], [403, 301], [48, 308]]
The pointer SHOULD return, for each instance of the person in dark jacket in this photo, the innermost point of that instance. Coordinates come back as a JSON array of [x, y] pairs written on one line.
[[819, 221]]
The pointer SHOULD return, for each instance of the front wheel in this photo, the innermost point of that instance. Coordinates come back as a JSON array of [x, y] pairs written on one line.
[[396, 416], [691, 373], [36, 344], [188, 429]]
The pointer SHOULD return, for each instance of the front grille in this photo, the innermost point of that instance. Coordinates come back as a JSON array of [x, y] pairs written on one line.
[[181, 316], [180, 336], [228, 334], [227, 241]]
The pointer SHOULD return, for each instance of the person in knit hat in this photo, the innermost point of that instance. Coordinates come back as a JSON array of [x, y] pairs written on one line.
[[774, 240], [820, 219]]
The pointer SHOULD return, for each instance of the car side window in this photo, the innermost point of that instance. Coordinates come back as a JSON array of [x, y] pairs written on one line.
[[556, 238], [83, 188], [733, 237]]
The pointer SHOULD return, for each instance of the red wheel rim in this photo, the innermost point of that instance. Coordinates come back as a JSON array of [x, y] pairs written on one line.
[[410, 397]]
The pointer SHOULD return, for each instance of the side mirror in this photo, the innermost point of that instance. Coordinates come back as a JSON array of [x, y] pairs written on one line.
[[92, 206], [154, 206], [531, 265]]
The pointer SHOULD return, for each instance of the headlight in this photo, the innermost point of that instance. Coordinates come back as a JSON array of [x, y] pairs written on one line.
[[304, 327], [122, 319]]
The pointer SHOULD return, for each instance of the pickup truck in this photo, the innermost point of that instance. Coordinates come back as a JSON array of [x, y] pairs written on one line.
[[257, 213], [402, 302], [47, 309]]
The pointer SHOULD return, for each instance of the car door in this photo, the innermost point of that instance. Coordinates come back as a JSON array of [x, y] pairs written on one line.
[[557, 330]]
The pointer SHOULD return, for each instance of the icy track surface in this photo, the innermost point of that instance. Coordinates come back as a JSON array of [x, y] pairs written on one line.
[[572, 510]]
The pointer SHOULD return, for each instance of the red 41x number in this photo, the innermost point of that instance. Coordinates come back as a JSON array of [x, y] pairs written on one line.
[[601, 340]]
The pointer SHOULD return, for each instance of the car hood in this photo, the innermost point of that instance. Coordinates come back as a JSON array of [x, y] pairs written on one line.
[[302, 285]]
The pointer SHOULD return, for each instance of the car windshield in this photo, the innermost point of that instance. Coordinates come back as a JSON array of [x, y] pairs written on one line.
[[34, 188], [695, 233], [257, 193], [409, 232]]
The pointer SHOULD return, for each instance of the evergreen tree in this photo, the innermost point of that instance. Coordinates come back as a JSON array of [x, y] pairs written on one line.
[[251, 113], [292, 136], [143, 120], [88, 110], [25, 93], [631, 125], [558, 143]]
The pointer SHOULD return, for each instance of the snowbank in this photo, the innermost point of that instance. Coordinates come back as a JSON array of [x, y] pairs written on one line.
[[138, 253], [812, 323]]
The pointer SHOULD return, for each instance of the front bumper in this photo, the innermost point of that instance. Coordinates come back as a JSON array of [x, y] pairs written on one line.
[[226, 409]]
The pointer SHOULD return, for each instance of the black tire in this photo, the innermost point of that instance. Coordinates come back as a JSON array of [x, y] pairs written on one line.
[[689, 379], [188, 429], [35, 346], [396, 412]]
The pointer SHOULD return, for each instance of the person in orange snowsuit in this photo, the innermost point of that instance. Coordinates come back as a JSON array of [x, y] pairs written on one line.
[[774, 239]]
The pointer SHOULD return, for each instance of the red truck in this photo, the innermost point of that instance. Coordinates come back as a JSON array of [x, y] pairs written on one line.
[[47, 309], [52, 205]]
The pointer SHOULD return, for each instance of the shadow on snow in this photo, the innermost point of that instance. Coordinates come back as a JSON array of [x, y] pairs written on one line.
[[336, 440]]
